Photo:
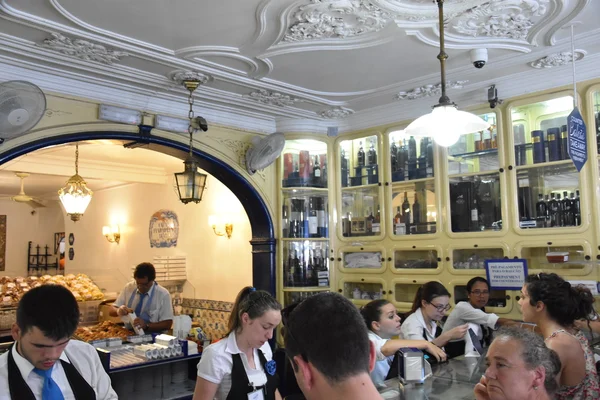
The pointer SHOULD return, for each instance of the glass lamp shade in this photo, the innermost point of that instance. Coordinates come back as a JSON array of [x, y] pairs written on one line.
[[190, 182], [445, 124], [75, 196]]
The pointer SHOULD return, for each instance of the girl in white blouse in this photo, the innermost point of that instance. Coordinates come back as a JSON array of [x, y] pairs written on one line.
[[430, 304]]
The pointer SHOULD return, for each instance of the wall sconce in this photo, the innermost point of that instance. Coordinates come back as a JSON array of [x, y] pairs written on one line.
[[213, 221], [112, 233]]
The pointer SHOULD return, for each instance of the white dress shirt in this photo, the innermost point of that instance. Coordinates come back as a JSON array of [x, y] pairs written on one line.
[[159, 309], [464, 313], [83, 357], [216, 365], [413, 326], [383, 363]]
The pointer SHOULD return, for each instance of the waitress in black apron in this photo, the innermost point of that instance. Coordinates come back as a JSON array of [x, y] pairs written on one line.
[[241, 366], [429, 306]]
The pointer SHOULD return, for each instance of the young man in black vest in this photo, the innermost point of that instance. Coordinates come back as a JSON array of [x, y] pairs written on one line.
[[44, 363]]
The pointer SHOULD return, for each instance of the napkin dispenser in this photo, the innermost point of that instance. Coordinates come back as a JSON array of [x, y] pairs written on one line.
[[411, 365]]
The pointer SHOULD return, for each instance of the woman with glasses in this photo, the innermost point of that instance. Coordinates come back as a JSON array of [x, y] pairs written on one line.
[[473, 311], [383, 323], [553, 304], [430, 304], [240, 367]]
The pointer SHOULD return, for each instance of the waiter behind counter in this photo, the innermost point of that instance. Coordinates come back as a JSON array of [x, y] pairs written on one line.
[[150, 301]]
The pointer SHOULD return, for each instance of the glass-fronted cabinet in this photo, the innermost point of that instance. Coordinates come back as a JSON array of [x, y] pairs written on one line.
[[468, 261], [362, 260], [500, 301], [547, 183], [564, 257], [361, 207], [417, 260], [363, 290], [475, 187]]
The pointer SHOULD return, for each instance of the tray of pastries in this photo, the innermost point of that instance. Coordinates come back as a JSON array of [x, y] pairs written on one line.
[[104, 330]]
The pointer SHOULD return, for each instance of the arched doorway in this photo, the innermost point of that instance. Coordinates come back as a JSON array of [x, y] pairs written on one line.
[[263, 241]]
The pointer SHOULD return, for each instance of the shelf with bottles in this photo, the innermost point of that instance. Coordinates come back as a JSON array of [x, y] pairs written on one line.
[[500, 301], [596, 111], [305, 264], [410, 158], [363, 290], [404, 290], [359, 161], [414, 208], [573, 257], [361, 213], [291, 296], [476, 152], [304, 163], [466, 261], [362, 260], [540, 131], [549, 197], [304, 214], [417, 260], [475, 203]]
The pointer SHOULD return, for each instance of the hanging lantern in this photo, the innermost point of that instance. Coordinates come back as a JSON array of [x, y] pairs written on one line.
[[75, 196]]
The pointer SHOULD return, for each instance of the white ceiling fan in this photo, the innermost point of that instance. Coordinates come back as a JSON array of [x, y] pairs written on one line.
[[34, 202]]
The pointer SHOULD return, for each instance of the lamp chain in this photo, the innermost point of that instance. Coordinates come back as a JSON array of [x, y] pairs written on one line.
[[191, 117], [77, 158], [444, 100]]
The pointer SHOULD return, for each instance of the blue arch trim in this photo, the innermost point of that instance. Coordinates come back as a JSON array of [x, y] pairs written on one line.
[[263, 240]]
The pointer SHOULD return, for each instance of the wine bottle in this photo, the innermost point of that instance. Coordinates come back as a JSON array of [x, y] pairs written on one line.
[[548, 221], [406, 213], [577, 209], [422, 161], [474, 214], [430, 160], [416, 214], [540, 211], [296, 218], [567, 213], [372, 157], [316, 175], [344, 168], [394, 157], [564, 143], [412, 149], [310, 272], [292, 268], [376, 227], [560, 204], [321, 218], [313, 224], [399, 227], [553, 210], [360, 160], [285, 223], [402, 155], [299, 268]]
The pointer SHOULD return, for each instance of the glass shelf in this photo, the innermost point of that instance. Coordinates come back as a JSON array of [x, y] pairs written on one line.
[[359, 161], [410, 158], [305, 264], [304, 214], [536, 257], [360, 188], [402, 184], [414, 207], [475, 203]]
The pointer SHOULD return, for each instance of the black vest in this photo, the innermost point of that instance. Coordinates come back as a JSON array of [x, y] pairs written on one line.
[[240, 385]]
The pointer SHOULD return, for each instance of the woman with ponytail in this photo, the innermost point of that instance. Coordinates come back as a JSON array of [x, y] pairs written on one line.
[[241, 365], [554, 305], [430, 304]]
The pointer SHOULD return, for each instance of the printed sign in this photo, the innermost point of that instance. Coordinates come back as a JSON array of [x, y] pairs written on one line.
[[506, 274], [164, 229], [577, 143]]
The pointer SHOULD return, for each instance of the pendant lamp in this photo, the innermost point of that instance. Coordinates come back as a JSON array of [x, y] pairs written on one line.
[[190, 183], [445, 123], [75, 196]]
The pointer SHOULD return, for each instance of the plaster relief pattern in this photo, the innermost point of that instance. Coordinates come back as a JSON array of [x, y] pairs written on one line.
[[83, 49], [180, 75], [272, 98], [238, 148], [56, 113], [336, 112], [428, 90], [511, 19], [331, 19], [557, 59]]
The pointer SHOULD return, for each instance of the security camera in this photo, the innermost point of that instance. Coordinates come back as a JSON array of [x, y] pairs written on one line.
[[479, 57], [493, 96], [200, 123]]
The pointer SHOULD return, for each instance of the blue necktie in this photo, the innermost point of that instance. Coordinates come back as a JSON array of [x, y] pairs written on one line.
[[138, 308], [50, 390]]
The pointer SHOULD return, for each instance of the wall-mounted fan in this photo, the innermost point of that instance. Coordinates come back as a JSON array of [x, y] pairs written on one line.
[[34, 202], [264, 151], [22, 105]]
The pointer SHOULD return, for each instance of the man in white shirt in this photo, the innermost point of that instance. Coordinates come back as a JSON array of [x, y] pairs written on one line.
[[150, 302], [43, 363]]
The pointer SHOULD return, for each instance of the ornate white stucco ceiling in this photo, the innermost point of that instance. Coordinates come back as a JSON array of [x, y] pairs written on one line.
[[293, 64]]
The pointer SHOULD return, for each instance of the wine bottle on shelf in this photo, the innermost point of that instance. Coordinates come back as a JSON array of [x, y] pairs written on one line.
[[296, 218], [541, 211], [310, 272], [474, 214], [394, 157], [285, 223], [406, 213], [313, 224], [412, 149], [548, 221], [416, 215], [553, 210], [376, 227], [321, 218], [299, 268], [566, 209], [316, 174], [292, 268], [399, 227], [561, 214], [422, 160], [564, 143], [323, 273], [577, 209], [430, 160], [360, 160], [553, 139], [372, 156]]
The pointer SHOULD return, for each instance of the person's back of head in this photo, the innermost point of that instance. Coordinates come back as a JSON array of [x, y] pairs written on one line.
[[327, 331], [52, 309]]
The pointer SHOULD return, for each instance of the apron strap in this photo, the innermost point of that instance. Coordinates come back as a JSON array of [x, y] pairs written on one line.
[[81, 389], [19, 389]]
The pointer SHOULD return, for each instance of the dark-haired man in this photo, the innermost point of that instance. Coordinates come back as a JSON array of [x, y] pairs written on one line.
[[150, 301], [335, 363], [44, 363]]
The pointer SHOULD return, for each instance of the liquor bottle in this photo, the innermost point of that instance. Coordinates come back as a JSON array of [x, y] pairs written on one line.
[[299, 268], [422, 161], [344, 164], [567, 211], [377, 222], [324, 175], [540, 211], [548, 222], [313, 224], [412, 149], [310, 272], [430, 160], [296, 218], [285, 223], [553, 210], [321, 217], [292, 268], [369, 222], [394, 156], [323, 273], [406, 213], [372, 156], [564, 143], [539, 150], [553, 138], [360, 161], [347, 225], [560, 218], [577, 209], [316, 174], [474, 214], [399, 227], [402, 155], [416, 214]]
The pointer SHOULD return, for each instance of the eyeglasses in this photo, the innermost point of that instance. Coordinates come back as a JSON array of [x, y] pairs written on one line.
[[441, 307], [480, 292]]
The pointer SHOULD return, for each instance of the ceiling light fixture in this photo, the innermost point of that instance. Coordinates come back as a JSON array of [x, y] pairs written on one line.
[[75, 196], [190, 182], [445, 123]]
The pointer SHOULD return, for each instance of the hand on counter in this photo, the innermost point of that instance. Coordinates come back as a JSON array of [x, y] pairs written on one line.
[[481, 392], [436, 352]]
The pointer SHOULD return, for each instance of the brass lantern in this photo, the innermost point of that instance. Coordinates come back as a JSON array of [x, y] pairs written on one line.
[[75, 196]]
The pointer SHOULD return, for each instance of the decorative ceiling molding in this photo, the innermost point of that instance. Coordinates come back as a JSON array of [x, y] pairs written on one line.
[[83, 49], [180, 75], [336, 112], [335, 19], [272, 98], [428, 90], [557, 59]]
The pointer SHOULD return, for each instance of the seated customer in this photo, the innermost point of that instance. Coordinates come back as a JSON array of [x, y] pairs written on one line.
[[520, 367], [554, 305], [383, 323], [473, 311], [429, 307], [328, 346]]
